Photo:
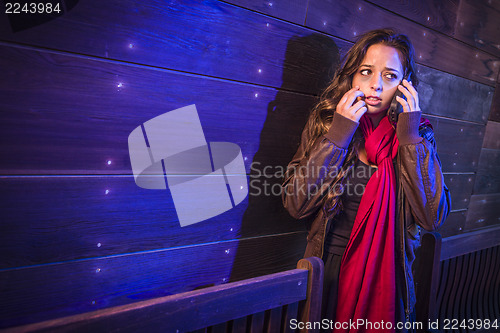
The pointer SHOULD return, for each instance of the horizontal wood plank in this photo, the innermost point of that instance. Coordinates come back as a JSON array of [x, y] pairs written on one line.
[[476, 240], [458, 143], [102, 216], [488, 172], [348, 19], [454, 224], [45, 292], [447, 95], [492, 135], [210, 38], [460, 186], [288, 10], [258, 256], [77, 215], [437, 15], [483, 211]]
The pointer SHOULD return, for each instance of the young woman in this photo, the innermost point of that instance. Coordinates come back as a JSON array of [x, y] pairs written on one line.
[[370, 183]]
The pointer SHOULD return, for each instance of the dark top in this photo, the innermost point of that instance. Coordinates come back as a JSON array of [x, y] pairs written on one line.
[[341, 225]]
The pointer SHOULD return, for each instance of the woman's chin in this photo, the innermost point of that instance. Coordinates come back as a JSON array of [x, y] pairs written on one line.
[[376, 111]]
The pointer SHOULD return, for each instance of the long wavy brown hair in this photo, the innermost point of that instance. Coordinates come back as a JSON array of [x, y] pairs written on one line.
[[322, 114]]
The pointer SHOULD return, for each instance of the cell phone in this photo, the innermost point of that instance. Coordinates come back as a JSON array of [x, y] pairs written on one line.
[[395, 109]]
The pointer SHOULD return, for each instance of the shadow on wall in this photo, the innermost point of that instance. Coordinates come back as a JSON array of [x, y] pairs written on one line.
[[309, 65]]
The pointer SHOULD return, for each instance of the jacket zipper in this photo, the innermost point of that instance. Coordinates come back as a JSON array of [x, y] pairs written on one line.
[[403, 231], [407, 310]]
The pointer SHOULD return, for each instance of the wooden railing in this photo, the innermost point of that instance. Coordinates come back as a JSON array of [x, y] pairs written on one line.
[[469, 282], [267, 303]]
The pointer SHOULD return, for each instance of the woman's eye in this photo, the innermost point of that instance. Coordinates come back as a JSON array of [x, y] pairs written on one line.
[[365, 72], [391, 76]]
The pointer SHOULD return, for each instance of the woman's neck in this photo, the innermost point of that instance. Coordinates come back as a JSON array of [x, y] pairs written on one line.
[[376, 118]]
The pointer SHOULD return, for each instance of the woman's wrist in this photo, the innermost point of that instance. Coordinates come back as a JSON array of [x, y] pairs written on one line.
[[407, 127], [341, 130]]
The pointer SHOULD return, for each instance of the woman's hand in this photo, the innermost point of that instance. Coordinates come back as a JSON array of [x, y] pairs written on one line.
[[346, 107], [411, 102]]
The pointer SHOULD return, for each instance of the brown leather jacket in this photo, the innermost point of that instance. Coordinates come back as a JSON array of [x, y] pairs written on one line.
[[423, 198]]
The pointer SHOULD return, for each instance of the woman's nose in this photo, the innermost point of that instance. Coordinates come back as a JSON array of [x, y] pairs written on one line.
[[376, 83]]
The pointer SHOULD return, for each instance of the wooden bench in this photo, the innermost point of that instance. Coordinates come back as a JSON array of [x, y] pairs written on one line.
[[263, 304], [459, 282], [469, 281], [270, 303]]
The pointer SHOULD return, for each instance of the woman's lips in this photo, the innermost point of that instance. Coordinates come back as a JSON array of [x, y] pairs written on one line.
[[373, 100]]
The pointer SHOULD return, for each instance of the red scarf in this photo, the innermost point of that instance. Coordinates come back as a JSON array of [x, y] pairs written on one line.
[[367, 282]]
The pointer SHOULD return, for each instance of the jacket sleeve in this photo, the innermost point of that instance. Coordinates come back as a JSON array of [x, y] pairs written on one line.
[[420, 172], [307, 179]]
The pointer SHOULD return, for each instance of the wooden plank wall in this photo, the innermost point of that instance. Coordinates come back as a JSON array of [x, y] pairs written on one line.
[[78, 235]]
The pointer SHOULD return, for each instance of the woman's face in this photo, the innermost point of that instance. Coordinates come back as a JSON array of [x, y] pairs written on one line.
[[378, 77]]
